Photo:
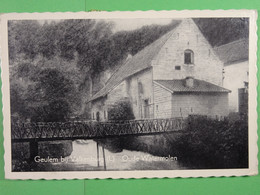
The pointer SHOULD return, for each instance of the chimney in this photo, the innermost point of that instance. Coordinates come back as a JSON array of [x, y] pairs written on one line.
[[189, 82]]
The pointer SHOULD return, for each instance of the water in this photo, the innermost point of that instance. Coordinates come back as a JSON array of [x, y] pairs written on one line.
[[84, 157]]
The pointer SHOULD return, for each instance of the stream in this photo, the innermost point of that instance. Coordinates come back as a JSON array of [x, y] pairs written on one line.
[[84, 158]]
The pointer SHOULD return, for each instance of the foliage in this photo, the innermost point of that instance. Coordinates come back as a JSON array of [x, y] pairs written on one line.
[[54, 94], [122, 110], [90, 41], [42, 90], [22, 37], [210, 143], [54, 61], [130, 42], [220, 31]]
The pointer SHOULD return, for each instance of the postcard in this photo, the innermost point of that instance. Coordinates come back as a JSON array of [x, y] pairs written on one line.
[[129, 94]]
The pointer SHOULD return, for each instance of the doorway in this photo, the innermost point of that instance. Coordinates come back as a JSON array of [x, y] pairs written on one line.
[[146, 109], [98, 116]]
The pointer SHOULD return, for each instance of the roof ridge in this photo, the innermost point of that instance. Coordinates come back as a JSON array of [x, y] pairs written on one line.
[[198, 80], [170, 34], [127, 60], [116, 70], [232, 42], [233, 51], [150, 45], [155, 43], [211, 83]]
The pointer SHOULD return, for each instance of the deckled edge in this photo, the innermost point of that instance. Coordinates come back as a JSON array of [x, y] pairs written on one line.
[[2, 91], [253, 92], [253, 151], [2, 120]]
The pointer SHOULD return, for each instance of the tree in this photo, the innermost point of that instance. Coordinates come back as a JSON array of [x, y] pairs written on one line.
[[220, 31], [37, 87], [22, 38], [59, 60]]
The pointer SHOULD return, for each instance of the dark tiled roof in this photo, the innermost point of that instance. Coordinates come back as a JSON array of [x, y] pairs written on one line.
[[198, 86], [233, 52], [141, 61]]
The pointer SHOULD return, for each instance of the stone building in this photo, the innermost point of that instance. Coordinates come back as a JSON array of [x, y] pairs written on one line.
[[177, 75], [234, 55]]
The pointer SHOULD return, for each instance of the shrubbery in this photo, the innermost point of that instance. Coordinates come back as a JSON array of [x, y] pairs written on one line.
[[122, 110], [204, 143], [210, 143]]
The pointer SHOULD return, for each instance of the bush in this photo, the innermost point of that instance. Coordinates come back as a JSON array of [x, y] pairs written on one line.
[[55, 111], [214, 144], [122, 110]]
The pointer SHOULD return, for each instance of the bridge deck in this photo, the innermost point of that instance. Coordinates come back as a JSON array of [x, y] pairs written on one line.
[[50, 131]]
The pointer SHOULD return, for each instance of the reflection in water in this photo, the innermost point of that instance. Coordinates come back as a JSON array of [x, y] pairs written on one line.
[[84, 156]]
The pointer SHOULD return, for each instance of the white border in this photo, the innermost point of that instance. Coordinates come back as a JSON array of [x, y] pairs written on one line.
[[253, 163]]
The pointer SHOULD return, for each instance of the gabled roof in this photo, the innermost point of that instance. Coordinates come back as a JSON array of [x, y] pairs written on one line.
[[178, 86], [141, 61], [233, 52]]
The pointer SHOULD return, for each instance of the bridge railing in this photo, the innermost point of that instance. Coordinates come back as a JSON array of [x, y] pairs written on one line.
[[92, 129]]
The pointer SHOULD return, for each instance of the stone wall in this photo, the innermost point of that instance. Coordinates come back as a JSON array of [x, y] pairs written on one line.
[[206, 66], [129, 88]]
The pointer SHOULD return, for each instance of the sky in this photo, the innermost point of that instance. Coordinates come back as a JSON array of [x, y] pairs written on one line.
[[128, 24], [131, 24]]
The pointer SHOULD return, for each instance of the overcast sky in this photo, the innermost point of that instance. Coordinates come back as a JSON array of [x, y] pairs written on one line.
[[131, 24], [128, 24]]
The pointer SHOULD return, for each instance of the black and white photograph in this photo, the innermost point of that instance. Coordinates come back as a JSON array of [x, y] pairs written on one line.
[[118, 95]]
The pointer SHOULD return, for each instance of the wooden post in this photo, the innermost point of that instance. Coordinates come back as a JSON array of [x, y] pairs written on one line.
[[104, 158], [97, 155], [33, 150]]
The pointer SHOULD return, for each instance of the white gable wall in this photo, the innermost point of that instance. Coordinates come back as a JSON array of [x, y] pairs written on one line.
[[206, 66], [235, 75]]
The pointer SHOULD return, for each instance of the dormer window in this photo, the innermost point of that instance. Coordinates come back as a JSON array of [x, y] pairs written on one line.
[[188, 56]]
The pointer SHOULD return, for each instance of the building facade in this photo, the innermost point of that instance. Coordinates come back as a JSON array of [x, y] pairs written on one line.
[[177, 75], [234, 55]]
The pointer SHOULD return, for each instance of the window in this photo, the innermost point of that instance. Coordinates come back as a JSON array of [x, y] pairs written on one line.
[[188, 57], [105, 115], [140, 88], [97, 116], [177, 67], [93, 116]]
